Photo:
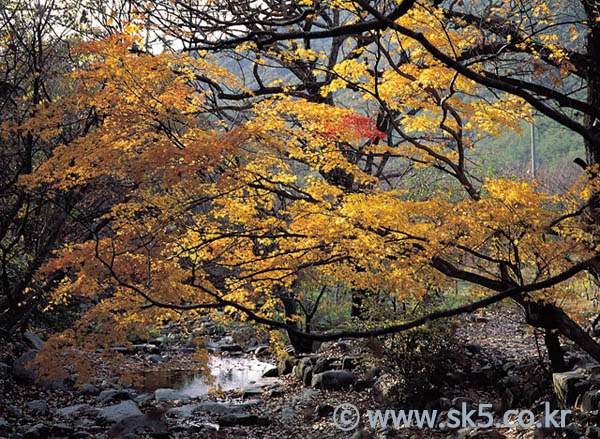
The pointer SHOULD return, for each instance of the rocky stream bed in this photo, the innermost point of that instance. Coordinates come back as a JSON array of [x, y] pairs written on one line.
[[499, 363]]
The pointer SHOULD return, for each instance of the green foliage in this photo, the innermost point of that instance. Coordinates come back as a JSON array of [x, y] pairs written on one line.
[[418, 359]]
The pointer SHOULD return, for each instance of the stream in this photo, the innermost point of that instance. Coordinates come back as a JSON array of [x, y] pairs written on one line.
[[229, 372]]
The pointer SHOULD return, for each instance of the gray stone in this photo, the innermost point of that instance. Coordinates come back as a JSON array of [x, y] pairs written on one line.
[[565, 387], [21, 370], [73, 410], [38, 431], [237, 419], [139, 425], [333, 380], [322, 365], [14, 411], [285, 366], [307, 376], [39, 406], [112, 395], [303, 363], [161, 395], [271, 372], [155, 358], [183, 412], [61, 429], [118, 412], [144, 397], [4, 368], [89, 389], [33, 340]]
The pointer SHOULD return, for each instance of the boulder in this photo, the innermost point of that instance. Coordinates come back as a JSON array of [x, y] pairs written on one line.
[[161, 395], [566, 387], [119, 412], [322, 365], [112, 395], [21, 369], [38, 431], [303, 363], [39, 406], [33, 340], [183, 412], [271, 372], [139, 425], [73, 410], [62, 430], [333, 380], [89, 389], [307, 376], [285, 366]]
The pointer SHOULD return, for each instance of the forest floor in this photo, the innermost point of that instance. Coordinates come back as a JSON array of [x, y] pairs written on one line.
[[498, 360]]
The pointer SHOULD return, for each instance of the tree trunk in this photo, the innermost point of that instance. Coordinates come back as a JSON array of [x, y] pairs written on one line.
[[555, 352], [592, 149], [300, 344]]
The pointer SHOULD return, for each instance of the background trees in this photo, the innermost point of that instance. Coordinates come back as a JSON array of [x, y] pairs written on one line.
[[280, 141]]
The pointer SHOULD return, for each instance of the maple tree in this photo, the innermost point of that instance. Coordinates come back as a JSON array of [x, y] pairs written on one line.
[[203, 192]]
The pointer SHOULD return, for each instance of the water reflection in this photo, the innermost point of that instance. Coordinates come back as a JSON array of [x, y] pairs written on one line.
[[230, 373]]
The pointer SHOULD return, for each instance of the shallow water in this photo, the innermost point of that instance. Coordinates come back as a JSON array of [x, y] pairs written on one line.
[[230, 373]]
